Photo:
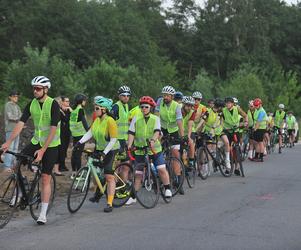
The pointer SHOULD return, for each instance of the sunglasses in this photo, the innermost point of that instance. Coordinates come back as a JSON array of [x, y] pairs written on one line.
[[144, 106], [38, 89], [98, 108], [197, 99], [125, 95]]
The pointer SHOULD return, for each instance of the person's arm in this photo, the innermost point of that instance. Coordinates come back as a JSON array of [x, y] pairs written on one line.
[[132, 131], [243, 114], [9, 111], [82, 118], [202, 122], [86, 137], [179, 118], [16, 131], [115, 112]]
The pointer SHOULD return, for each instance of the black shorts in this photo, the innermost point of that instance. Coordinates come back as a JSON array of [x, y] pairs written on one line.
[[230, 136], [259, 135], [175, 137], [109, 162], [251, 133], [291, 131], [50, 156]]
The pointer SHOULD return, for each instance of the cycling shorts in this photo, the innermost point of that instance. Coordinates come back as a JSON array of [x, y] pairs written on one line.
[[259, 135], [109, 162], [158, 160]]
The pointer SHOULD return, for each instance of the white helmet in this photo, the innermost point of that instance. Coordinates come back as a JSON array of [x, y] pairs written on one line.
[[188, 100], [124, 90], [197, 94], [41, 81], [235, 100], [281, 106], [168, 90]]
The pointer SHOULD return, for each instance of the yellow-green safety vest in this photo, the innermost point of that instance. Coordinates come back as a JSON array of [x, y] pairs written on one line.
[[263, 123], [76, 128], [290, 120], [185, 122], [213, 124], [250, 118], [42, 122], [123, 120], [168, 116], [231, 120], [279, 117]]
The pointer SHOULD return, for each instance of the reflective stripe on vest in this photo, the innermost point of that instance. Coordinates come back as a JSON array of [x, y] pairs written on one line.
[[168, 116], [231, 120], [263, 123], [185, 122], [145, 131], [76, 128], [42, 122], [278, 120], [100, 132], [123, 120]]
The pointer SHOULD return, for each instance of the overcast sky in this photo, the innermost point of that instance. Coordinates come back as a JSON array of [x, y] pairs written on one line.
[[167, 3]]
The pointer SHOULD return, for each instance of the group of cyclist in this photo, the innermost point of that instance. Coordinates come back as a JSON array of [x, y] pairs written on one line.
[[117, 129]]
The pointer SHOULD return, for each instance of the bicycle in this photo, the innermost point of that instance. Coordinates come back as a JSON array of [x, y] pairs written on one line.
[[81, 182], [273, 139], [190, 171], [147, 184], [203, 154], [170, 162], [16, 191]]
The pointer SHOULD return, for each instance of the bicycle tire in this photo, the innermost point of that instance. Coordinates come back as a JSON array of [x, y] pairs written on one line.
[[123, 190], [239, 161], [202, 163], [190, 175], [174, 184], [8, 192], [79, 187], [148, 193], [220, 161], [35, 197]]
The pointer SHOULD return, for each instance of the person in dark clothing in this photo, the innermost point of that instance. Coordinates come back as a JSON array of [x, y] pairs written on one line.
[[78, 127], [65, 111]]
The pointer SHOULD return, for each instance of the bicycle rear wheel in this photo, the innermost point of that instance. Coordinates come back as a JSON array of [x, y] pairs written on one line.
[[35, 200], [190, 174], [146, 187], [124, 184], [220, 160], [176, 182], [8, 199], [202, 163], [78, 190]]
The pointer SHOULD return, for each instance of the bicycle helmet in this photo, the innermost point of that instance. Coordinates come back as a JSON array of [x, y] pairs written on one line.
[[178, 95], [188, 100], [168, 90], [124, 90], [251, 103], [281, 106], [147, 100], [197, 94], [257, 102], [97, 98], [41, 81], [104, 102], [219, 103], [229, 99], [235, 100]]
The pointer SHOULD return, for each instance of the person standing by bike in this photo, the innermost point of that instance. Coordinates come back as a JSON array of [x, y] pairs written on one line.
[[78, 127], [250, 114], [143, 130], [279, 119], [45, 113], [12, 114], [104, 131], [260, 125], [171, 120], [291, 121]]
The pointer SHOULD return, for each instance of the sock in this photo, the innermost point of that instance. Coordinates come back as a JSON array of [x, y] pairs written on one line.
[[256, 155], [227, 156], [44, 209], [191, 161], [261, 156], [250, 153], [167, 186], [133, 195], [110, 200]]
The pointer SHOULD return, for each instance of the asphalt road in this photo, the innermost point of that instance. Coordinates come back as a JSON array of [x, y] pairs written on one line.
[[261, 211]]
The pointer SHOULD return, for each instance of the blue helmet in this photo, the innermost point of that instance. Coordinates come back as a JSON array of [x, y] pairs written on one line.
[[104, 102], [178, 95]]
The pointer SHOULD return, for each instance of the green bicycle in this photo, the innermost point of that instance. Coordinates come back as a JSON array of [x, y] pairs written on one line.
[[81, 182]]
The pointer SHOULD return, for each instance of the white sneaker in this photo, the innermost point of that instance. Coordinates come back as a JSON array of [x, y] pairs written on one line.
[[13, 201], [168, 193], [41, 220], [228, 165], [130, 201]]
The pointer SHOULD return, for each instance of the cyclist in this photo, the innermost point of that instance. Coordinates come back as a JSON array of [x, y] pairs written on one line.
[[231, 122], [189, 127], [200, 108], [78, 127], [279, 119], [45, 113], [171, 120], [178, 97], [241, 128], [290, 121], [143, 130], [250, 114], [213, 125], [104, 132], [260, 125]]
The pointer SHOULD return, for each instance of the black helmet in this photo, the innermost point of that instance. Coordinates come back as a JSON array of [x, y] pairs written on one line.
[[219, 103], [178, 95], [229, 99], [79, 98]]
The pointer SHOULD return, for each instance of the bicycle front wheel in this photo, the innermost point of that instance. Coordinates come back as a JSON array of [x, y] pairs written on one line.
[[174, 167], [146, 187], [220, 160], [190, 174], [8, 199], [35, 199], [78, 190], [124, 184], [202, 163], [238, 160]]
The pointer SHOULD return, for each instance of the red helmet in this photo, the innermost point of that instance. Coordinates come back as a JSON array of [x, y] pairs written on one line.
[[147, 100], [257, 102]]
